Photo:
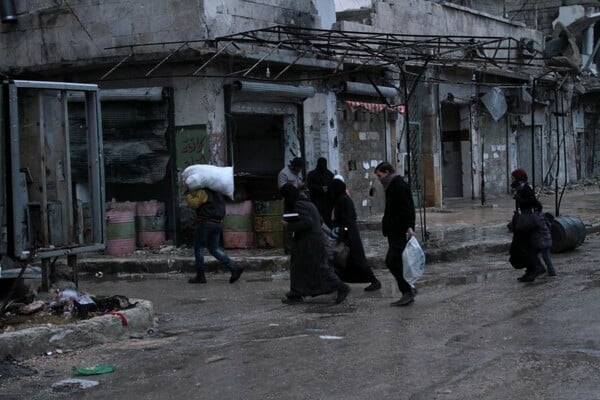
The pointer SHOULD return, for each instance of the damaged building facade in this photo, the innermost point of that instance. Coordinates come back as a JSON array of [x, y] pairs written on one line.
[[478, 122], [182, 84]]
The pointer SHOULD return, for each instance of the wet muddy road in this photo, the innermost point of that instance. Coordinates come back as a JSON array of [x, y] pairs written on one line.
[[474, 332]]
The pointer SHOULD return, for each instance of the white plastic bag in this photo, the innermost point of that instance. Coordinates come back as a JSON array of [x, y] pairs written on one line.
[[413, 261], [219, 179]]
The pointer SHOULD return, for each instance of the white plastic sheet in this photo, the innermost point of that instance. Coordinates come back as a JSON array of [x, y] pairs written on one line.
[[413, 261]]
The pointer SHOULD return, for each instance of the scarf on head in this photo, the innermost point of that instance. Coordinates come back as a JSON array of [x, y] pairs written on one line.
[[387, 179]]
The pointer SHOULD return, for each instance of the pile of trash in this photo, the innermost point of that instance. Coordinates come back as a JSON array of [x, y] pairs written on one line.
[[65, 306]]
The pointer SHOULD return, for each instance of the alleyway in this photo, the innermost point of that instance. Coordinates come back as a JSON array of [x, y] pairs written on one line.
[[473, 333]]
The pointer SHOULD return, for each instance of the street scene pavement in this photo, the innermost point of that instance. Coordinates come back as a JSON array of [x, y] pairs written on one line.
[[474, 331]]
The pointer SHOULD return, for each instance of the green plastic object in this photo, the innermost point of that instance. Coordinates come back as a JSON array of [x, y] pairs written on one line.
[[96, 370]]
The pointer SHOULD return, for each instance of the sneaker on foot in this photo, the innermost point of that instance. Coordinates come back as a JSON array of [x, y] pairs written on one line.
[[235, 274]]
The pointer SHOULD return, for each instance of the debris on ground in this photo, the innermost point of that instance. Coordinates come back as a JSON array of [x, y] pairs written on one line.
[[62, 305], [95, 370], [73, 384]]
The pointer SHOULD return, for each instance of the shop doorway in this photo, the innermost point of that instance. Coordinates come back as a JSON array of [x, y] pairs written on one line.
[[453, 140], [258, 154]]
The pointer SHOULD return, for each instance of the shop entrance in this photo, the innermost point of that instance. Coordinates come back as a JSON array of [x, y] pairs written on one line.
[[258, 154]]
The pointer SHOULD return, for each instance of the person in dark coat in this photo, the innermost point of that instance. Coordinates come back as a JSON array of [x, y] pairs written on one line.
[[310, 275], [210, 211], [398, 226], [523, 251], [357, 268], [318, 181]]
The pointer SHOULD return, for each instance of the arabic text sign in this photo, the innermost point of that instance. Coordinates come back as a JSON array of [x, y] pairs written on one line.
[[191, 144]]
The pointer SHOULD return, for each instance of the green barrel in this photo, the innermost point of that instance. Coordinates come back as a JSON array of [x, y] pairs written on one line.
[[567, 232], [267, 223]]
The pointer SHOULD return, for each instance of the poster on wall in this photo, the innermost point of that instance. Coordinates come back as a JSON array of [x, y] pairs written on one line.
[[191, 146]]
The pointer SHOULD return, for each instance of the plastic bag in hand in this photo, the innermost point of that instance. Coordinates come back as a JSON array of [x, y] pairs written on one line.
[[413, 261]]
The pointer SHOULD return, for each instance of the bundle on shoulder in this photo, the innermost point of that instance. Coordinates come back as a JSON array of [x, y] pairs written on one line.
[[219, 179]]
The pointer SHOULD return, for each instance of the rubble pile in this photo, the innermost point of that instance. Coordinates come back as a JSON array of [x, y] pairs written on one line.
[[67, 305]]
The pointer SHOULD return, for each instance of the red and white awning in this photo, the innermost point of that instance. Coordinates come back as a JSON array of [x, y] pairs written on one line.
[[374, 107]]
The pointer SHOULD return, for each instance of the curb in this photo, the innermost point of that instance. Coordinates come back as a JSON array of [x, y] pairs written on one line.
[[439, 252], [27, 343]]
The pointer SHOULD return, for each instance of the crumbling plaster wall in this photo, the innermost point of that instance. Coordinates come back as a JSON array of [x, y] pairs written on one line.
[[201, 102], [319, 122], [425, 17], [49, 33]]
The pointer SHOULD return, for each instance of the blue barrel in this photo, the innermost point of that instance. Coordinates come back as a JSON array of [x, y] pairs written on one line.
[[567, 232]]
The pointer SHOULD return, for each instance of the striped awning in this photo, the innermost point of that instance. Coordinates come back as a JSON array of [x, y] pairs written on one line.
[[374, 107]]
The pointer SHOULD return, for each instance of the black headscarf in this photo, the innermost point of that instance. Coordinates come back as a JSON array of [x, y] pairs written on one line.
[[336, 189], [290, 194], [321, 164]]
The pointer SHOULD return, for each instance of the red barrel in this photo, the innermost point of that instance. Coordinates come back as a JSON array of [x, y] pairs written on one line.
[[120, 228], [237, 226], [150, 223]]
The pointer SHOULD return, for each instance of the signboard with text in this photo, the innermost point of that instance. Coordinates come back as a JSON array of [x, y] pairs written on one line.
[[191, 145]]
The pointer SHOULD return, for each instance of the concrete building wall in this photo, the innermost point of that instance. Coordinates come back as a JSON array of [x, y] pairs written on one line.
[[48, 33], [363, 143], [429, 18]]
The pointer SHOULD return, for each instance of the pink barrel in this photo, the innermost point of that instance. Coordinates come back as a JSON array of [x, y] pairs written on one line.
[[237, 226], [150, 223], [120, 227]]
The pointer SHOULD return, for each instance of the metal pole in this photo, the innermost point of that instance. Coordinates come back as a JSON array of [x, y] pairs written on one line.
[[533, 133], [507, 160], [482, 172], [407, 124], [471, 149], [556, 208]]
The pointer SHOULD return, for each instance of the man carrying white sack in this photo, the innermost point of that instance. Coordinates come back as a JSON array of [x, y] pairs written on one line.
[[210, 211]]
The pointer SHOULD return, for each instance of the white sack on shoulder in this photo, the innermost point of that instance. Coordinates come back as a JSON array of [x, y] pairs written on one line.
[[219, 179]]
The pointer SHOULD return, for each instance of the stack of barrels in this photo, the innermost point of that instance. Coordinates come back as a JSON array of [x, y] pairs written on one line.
[[251, 224], [131, 225]]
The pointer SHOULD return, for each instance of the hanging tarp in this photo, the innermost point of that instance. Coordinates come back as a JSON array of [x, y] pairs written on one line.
[[495, 102], [374, 107]]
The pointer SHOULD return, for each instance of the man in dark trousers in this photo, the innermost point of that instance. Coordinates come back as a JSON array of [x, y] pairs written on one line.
[[318, 181], [398, 225], [210, 211]]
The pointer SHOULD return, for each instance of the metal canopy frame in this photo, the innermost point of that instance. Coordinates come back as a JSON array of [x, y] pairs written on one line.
[[348, 51], [336, 53]]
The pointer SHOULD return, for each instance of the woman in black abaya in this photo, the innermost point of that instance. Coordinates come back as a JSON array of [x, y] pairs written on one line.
[[344, 219], [310, 275]]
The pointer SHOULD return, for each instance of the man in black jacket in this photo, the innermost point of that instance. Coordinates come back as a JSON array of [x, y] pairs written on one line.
[[398, 226], [210, 211]]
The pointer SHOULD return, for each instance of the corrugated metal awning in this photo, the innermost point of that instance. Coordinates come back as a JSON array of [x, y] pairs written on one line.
[[374, 107]]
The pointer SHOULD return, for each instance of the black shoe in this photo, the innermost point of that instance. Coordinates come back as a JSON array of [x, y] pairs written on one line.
[[197, 279], [527, 278], [406, 299], [551, 272], [235, 274], [292, 300], [342, 294], [375, 285], [530, 276]]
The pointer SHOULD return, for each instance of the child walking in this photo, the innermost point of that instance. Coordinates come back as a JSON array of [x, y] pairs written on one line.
[[543, 239]]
